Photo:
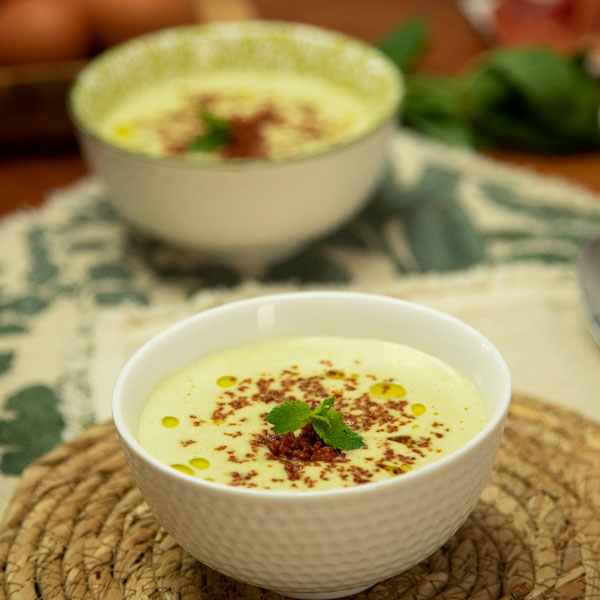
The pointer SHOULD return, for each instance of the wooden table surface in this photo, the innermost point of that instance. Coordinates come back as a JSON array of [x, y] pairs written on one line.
[[27, 175]]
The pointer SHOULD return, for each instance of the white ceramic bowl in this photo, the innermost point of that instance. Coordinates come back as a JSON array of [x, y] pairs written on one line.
[[244, 211], [315, 544]]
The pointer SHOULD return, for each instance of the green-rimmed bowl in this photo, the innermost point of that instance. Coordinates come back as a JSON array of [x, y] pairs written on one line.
[[241, 211]]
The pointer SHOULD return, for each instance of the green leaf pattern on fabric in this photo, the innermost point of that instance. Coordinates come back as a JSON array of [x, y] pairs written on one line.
[[441, 235], [109, 271], [6, 359], [310, 266], [12, 328], [42, 268], [508, 198], [35, 429], [26, 305]]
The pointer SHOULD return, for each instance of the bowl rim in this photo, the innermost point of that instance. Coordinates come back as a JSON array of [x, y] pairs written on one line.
[[496, 420], [235, 163]]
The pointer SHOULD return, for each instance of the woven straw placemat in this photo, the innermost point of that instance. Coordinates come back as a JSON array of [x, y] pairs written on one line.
[[78, 528]]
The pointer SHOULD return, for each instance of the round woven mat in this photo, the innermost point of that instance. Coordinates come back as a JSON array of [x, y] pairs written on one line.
[[78, 528]]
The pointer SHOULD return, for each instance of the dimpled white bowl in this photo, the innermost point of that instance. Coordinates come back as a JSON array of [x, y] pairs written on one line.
[[241, 211], [315, 544]]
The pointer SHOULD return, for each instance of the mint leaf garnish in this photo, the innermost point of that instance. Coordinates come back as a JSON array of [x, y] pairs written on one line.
[[217, 132], [289, 416], [327, 422], [336, 433], [323, 408]]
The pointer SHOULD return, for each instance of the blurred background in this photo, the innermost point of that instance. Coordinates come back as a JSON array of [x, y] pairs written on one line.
[[448, 52]]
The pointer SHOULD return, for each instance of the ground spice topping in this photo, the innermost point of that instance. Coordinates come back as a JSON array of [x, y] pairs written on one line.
[[306, 446], [297, 451], [247, 134]]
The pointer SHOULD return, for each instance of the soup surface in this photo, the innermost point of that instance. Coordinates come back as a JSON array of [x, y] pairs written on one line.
[[237, 114], [410, 408]]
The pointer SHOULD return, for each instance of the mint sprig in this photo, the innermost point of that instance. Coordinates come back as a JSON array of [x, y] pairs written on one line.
[[289, 416], [217, 133], [327, 422]]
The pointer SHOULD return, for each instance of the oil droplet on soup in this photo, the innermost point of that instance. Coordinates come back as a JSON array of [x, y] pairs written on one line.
[[335, 374], [394, 470], [199, 463], [227, 381], [418, 409], [124, 131], [387, 390], [183, 468], [407, 440], [170, 421]]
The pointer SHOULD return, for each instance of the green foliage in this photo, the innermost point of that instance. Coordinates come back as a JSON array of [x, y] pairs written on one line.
[[527, 98], [533, 99], [405, 44], [433, 106]]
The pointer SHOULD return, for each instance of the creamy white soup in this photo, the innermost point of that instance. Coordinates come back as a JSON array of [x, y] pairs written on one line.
[[411, 409], [237, 114]]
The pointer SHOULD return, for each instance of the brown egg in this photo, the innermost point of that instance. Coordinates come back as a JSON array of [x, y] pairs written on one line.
[[117, 20], [42, 30]]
